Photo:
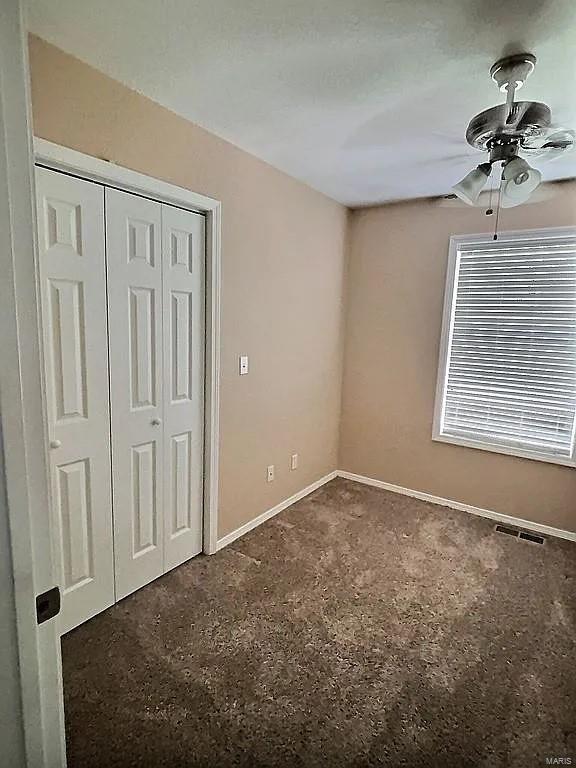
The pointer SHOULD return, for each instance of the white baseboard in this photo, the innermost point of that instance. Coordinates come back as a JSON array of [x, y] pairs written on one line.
[[233, 535], [547, 530], [506, 519]]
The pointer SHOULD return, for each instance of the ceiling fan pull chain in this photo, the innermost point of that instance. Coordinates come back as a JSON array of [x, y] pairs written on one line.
[[498, 208], [489, 211]]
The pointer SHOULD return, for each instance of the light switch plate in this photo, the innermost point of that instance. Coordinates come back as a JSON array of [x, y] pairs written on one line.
[[243, 365]]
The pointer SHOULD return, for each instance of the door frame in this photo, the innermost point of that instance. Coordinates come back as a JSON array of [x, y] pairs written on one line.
[[32, 716], [63, 159]]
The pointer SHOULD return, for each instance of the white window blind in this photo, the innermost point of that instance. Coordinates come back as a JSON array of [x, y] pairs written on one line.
[[507, 375]]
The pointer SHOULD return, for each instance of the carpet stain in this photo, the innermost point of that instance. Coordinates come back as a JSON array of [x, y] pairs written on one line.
[[247, 557], [358, 628]]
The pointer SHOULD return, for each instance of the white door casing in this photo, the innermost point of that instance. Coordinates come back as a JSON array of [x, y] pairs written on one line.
[[31, 711], [183, 256], [71, 260], [105, 173], [134, 263]]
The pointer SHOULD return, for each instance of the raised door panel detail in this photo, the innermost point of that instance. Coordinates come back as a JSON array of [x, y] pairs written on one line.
[[180, 346], [74, 506], [180, 483], [68, 348], [142, 347], [144, 522], [63, 224], [181, 248], [141, 241]]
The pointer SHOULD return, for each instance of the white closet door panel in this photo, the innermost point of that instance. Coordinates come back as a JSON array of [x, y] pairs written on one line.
[[183, 251], [73, 296], [134, 259]]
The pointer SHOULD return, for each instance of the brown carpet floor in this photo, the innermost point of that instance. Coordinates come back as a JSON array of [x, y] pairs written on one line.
[[358, 628]]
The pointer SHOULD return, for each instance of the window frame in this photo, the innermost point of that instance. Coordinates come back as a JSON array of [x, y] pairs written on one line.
[[456, 242]]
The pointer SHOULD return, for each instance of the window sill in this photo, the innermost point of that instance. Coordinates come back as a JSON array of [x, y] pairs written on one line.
[[565, 461]]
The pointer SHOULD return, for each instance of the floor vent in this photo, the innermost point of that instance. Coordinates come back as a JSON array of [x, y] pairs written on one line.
[[505, 529], [533, 538]]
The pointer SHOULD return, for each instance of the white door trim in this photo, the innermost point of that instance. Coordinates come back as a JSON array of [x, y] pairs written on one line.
[[70, 161], [37, 713]]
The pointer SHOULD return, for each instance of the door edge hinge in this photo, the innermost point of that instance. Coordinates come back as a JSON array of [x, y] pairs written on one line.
[[48, 605]]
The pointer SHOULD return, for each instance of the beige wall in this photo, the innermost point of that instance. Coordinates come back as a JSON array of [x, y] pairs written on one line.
[[395, 290], [283, 272], [283, 259]]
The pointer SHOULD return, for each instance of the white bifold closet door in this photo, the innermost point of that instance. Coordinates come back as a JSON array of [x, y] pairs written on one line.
[[134, 258], [183, 250], [155, 259], [73, 302]]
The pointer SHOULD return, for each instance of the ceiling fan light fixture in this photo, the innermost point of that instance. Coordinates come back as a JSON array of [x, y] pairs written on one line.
[[519, 181], [472, 184]]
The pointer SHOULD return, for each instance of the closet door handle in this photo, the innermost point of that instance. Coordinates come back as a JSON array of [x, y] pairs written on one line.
[[156, 422], [55, 443]]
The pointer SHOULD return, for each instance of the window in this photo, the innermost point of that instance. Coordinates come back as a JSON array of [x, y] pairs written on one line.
[[507, 372]]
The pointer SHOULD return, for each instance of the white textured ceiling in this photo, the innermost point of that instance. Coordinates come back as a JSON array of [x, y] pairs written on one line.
[[365, 100]]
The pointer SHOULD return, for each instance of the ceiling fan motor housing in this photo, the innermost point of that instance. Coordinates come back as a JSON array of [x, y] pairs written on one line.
[[532, 120], [502, 149]]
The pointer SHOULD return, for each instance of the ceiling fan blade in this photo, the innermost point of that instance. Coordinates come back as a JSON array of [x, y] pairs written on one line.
[[562, 140], [450, 201], [463, 157], [453, 201], [556, 143]]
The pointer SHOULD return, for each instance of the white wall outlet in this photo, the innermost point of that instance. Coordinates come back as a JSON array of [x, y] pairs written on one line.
[[294, 461], [270, 473], [243, 365]]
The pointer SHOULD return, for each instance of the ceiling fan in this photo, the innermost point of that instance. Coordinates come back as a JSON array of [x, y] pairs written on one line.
[[508, 131]]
